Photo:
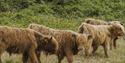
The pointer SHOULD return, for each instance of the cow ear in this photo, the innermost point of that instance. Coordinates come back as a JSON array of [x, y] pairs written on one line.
[[121, 23], [80, 29], [112, 28], [109, 23], [50, 38], [89, 36]]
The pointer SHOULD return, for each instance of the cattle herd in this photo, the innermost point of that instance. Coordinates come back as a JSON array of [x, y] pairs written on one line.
[[34, 39]]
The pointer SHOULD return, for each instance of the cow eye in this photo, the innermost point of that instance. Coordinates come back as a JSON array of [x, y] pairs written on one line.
[[120, 29]]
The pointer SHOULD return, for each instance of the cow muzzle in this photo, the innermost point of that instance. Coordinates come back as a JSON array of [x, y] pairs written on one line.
[[80, 48]]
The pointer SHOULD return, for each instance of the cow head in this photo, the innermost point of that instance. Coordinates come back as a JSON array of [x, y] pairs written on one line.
[[47, 43], [51, 45], [117, 28], [85, 43]]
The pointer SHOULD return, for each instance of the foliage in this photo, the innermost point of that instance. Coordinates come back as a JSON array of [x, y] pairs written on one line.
[[22, 12]]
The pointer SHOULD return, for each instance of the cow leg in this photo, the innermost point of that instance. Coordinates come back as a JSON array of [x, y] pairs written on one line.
[[47, 58], [114, 43], [25, 57], [111, 45], [95, 47], [2, 49], [0, 57], [69, 56], [1, 52], [105, 50], [60, 58], [38, 56], [32, 55]]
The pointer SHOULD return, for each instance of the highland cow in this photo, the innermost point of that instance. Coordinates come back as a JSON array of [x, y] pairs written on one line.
[[102, 22], [116, 37], [26, 42], [102, 34], [70, 43]]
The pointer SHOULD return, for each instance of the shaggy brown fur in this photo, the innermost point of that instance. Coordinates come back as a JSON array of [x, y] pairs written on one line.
[[69, 42], [20, 41], [95, 21], [101, 22], [24, 41], [102, 34]]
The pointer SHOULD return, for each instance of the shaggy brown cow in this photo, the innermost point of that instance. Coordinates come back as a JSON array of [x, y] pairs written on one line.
[[69, 42], [121, 27], [102, 34], [101, 22], [24, 41]]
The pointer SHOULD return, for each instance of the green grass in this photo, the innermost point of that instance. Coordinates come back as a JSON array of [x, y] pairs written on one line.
[[23, 19]]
